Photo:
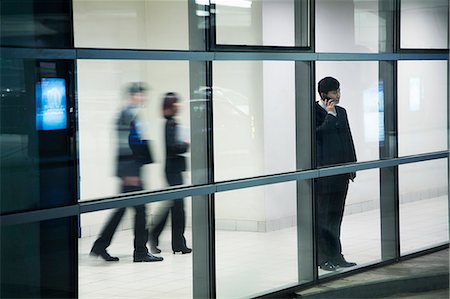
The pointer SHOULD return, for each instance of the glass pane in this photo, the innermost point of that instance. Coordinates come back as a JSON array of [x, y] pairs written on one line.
[[422, 106], [107, 156], [136, 24], [169, 278], [347, 26], [256, 244], [359, 95], [37, 260], [254, 118], [37, 160], [423, 189], [424, 24], [36, 23], [258, 23], [348, 216]]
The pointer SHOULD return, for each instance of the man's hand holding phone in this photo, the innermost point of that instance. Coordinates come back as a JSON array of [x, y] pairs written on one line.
[[330, 105]]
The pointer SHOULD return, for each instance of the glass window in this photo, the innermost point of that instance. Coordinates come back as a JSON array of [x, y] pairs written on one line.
[[103, 96], [256, 240], [423, 189], [137, 24], [36, 23], [37, 260], [169, 278], [422, 107], [36, 135], [254, 118], [424, 24], [360, 96], [260, 22], [347, 26]]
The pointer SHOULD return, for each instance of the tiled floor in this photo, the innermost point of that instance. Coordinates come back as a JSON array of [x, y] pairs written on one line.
[[249, 263]]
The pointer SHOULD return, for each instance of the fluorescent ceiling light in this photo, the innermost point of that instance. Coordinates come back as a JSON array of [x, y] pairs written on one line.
[[232, 3], [202, 13], [202, 2]]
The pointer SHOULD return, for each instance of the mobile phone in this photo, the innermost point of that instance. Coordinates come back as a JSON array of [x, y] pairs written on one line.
[[328, 100]]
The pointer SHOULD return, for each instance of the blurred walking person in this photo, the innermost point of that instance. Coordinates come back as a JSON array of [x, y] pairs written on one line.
[[134, 152], [175, 164]]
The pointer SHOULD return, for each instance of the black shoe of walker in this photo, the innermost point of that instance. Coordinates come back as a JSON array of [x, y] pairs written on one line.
[[344, 264], [147, 258], [103, 254], [184, 250], [155, 250], [328, 266]]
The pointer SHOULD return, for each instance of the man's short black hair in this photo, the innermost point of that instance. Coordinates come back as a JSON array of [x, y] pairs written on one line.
[[137, 87], [327, 84]]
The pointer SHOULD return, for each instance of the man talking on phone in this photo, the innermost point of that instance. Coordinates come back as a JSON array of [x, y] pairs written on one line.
[[334, 145]]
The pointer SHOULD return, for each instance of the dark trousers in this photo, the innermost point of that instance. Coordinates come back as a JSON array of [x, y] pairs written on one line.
[[178, 218], [140, 231], [330, 198]]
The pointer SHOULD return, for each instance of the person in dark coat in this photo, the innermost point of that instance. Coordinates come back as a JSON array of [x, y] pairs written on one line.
[[334, 145], [175, 164], [133, 153]]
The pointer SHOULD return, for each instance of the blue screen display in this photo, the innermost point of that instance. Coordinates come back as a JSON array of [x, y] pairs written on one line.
[[51, 111]]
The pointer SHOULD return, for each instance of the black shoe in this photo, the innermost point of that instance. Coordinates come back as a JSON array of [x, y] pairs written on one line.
[[155, 250], [328, 266], [344, 264], [103, 254], [147, 258], [184, 250]]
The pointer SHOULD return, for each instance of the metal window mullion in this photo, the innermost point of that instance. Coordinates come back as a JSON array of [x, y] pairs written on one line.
[[203, 265], [389, 189], [304, 82], [302, 24], [237, 53], [194, 191], [448, 115]]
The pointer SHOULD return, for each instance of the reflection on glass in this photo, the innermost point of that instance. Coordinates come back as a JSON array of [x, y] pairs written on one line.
[[361, 96], [36, 23], [102, 94], [254, 118], [422, 106], [424, 24], [139, 24], [51, 112], [347, 26], [256, 240], [247, 22], [170, 278], [37, 259], [19, 171], [37, 156], [423, 189]]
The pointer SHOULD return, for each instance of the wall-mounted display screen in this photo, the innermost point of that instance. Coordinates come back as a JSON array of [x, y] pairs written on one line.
[[51, 109]]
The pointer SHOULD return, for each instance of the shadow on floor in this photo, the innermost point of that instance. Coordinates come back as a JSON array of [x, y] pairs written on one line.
[[421, 277]]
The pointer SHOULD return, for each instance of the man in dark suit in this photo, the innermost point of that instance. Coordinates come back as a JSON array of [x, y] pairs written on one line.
[[133, 153], [334, 145]]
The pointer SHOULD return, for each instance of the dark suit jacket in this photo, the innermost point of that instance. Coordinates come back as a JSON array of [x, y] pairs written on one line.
[[334, 142], [133, 151], [175, 162], [334, 145]]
